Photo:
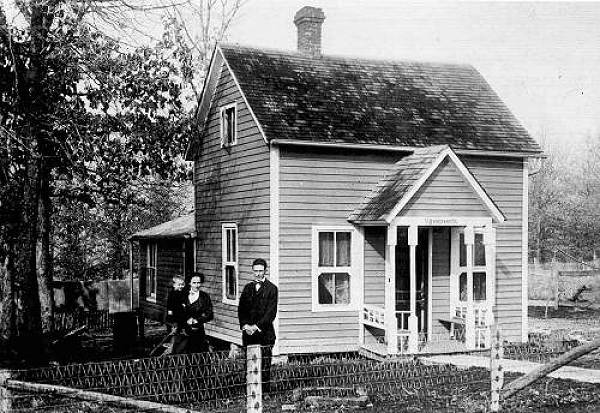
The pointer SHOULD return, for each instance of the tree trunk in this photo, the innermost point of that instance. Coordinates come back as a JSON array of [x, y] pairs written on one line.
[[29, 327], [45, 270], [35, 130], [7, 321], [116, 243]]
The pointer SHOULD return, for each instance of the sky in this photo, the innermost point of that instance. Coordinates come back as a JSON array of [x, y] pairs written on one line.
[[542, 58]]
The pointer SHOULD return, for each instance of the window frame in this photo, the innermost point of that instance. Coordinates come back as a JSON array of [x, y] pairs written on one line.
[[228, 226], [151, 249], [354, 270], [222, 123], [457, 269]]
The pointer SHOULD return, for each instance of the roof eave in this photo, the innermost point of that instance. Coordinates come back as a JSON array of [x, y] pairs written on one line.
[[406, 149], [368, 223], [186, 235]]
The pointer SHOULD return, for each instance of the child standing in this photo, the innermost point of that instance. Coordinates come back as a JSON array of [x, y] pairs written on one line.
[[176, 313]]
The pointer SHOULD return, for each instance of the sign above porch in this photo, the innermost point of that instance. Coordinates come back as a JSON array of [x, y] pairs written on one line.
[[431, 184]]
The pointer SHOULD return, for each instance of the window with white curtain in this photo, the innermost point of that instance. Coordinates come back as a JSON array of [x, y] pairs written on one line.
[[334, 269]]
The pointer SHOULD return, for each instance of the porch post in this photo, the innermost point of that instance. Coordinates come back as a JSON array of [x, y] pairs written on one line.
[[489, 240], [413, 325], [391, 323], [470, 316]]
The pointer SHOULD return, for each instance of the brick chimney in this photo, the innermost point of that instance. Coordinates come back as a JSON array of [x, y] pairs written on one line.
[[309, 20]]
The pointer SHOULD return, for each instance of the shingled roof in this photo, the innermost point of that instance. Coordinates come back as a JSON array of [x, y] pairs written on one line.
[[180, 227], [402, 182], [356, 101]]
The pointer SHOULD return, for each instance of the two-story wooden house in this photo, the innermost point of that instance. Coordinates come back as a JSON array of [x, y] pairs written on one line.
[[389, 198]]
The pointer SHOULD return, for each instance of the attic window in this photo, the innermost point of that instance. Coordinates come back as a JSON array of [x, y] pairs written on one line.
[[228, 125]]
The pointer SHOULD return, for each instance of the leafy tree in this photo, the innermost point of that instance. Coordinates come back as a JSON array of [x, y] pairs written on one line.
[[83, 119]]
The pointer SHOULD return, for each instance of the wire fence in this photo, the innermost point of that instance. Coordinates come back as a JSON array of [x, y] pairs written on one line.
[[207, 380], [572, 385], [252, 382], [544, 347], [347, 379]]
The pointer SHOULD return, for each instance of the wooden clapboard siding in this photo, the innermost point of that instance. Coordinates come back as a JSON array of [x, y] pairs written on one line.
[[440, 278], [232, 185], [502, 179], [374, 272], [169, 262], [445, 193], [322, 187]]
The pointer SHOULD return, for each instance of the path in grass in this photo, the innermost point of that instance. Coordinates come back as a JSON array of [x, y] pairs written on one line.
[[517, 366]]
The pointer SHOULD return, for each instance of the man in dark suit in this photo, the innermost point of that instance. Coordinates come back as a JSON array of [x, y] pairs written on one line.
[[256, 313]]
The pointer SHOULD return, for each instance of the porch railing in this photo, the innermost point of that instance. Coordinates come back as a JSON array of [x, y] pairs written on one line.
[[373, 316], [482, 330], [480, 314]]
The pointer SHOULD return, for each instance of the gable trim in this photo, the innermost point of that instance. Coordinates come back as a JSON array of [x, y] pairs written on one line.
[[203, 108], [496, 213], [237, 83]]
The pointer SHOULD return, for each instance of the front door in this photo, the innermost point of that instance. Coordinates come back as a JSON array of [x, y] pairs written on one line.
[[403, 278]]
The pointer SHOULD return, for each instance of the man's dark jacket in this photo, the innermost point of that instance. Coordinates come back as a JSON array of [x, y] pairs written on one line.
[[258, 307]]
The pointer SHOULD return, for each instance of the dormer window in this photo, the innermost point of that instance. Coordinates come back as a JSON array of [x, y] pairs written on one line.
[[228, 125]]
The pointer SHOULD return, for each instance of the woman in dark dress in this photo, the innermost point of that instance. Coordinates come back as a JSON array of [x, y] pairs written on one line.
[[198, 310]]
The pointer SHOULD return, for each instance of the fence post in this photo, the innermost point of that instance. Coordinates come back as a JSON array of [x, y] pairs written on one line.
[[254, 379], [554, 275], [5, 393], [496, 371]]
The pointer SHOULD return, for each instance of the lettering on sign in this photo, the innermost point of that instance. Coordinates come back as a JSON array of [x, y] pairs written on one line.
[[441, 221]]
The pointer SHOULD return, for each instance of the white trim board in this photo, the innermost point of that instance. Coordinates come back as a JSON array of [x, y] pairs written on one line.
[[429, 283], [225, 226], [407, 149], [446, 153], [355, 271], [524, 255], [210, 84], [274, 230]]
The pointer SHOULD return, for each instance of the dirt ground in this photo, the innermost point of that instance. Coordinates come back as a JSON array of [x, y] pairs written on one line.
[[565, 318]]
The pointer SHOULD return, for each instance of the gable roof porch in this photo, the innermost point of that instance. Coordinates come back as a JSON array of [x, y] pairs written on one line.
[[408, 196]]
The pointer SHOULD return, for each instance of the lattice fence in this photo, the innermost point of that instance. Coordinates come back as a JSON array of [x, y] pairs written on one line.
[[217, 383], [209, 380], [349, 379]]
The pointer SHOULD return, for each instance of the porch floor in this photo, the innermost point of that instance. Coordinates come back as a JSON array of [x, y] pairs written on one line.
[[379, 351], [441, 347]]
